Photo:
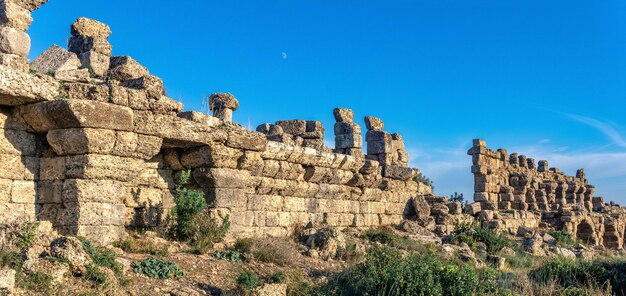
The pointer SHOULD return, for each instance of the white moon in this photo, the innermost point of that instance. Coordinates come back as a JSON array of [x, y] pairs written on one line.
[[284, 55]]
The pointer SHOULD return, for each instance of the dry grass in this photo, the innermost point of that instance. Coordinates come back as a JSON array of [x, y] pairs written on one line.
[[277, 251]]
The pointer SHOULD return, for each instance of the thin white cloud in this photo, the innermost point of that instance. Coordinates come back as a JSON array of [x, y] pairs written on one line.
[[605, 128]]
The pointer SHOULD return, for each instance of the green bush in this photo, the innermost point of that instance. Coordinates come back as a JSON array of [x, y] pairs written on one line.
[[95, 275], [386, 272], [158, 268], [563, 238], [569, 273], [424, 180], [35, 282], [244, 245], [248, 280], [101, 257], [11, 259], [231, 255], [472, 234], [26, 235], [386, 236], [191, 222]]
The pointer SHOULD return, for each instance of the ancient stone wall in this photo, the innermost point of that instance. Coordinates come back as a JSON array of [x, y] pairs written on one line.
[[513, 192], [93, 144]]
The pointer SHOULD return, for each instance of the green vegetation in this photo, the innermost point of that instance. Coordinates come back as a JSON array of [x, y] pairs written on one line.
[[349, 253], [231, 255], [248, 280], [101, 257], [26, 235], [424, 180], [244, 245], [386, 236], [158, 268], [386, 272], [472, 234], [95, 275], [35, 282], [12, 259], [191, 221], [563, 238], [279, 252]]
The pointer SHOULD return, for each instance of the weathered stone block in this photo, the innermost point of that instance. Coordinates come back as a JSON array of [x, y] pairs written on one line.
[[88, 27], [54, 59], [97, 63], [226, 198], [293, 127], [398, 172], [243, 139], [373, 123], [85, 91], [18, 87], [46, 116], [200, 118], [15, 62], [13, 41], [223, 101], [348, 141], [23, 192], [16, 167], [344, 128], [31, 5], [16, 142], [151, 84], [221, 177], [343, 115], [99, 191], [94, 166], [214, 155], [15, 16], [125, 68]]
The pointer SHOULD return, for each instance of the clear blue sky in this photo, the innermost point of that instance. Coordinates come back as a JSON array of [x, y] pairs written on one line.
[[543, 78]]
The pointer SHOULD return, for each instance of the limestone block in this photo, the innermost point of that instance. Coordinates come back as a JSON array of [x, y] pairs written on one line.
[[99, 191], [243, 139], [88, 27], [289, 171], [31, 5], [272, 203], [343, 115], [151, 84], [398, 172], [23, 192], [176, 131], [50, 192], [81, 141], [18, 88], [344, 128], [314, 130], [97, 63], [313, 143], [378, 142], [95, 166], [200, 118], [295, 204], [19, 167], [125, 68], [223, 114], [293, 127], [226, 198], [221, 177], [7, 282], [264, 128], [80, 75], [46, 116], [52, 168], [144, 197], [13, 41], [252, 162], [473, 208], [348, 141], [214, 155], [5, 191], [16, 142], [15, 62], [172, 159], [54, 59], [15, 16], [223, 101], [374, 123]]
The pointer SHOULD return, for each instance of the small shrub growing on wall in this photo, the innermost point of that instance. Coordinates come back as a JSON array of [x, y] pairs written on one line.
[[192, 222], [424, 180]]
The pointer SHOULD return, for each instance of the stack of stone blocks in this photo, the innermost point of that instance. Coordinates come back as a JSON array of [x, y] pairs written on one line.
[[304, 133]]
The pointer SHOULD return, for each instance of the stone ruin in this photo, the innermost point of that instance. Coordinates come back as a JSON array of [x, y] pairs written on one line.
[[511, 191], [92, 143]]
